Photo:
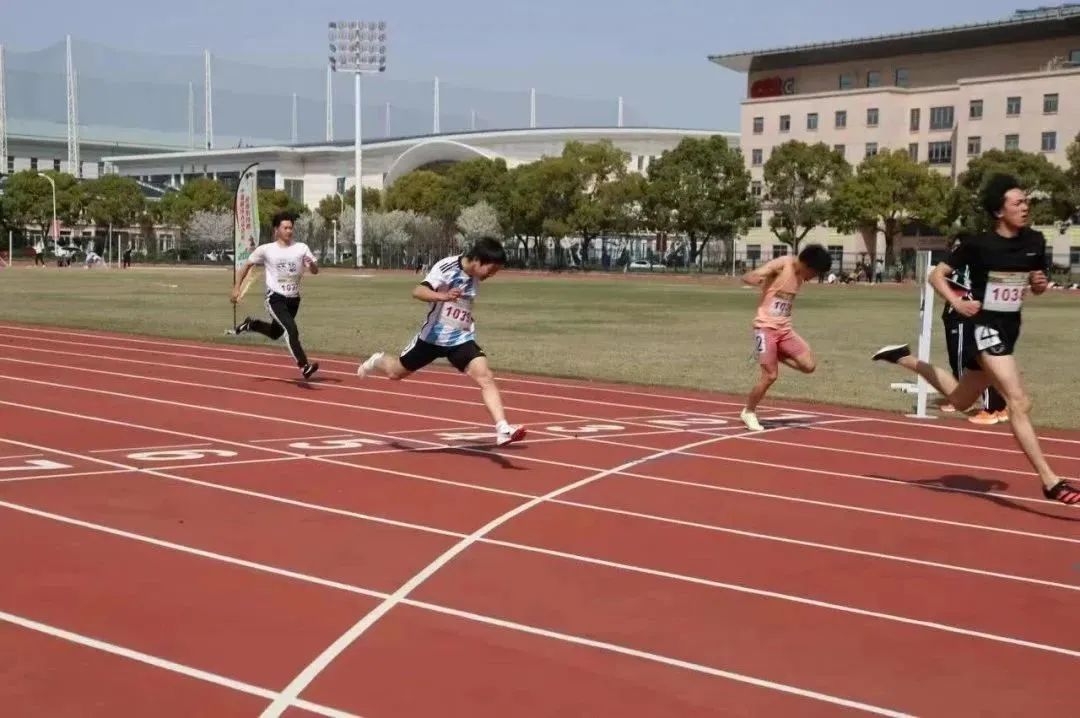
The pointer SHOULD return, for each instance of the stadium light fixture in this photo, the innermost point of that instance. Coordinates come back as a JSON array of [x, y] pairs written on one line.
[[358, 47]]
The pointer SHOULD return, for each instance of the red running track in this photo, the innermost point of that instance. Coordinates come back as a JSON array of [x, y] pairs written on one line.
[[188, 529]]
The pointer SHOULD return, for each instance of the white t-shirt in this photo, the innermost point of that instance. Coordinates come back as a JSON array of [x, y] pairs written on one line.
[[449, 324], [284, 266]]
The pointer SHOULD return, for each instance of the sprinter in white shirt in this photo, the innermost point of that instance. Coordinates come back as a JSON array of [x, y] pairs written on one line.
[[284, 262]]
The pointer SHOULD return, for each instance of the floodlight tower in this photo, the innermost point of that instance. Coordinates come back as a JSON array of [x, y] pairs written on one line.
[[3, 117], [359, 48], [209, 102], [329, 104], [72, 115]]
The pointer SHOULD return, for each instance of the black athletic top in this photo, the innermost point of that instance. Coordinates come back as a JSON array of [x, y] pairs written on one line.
[[1002, 265]]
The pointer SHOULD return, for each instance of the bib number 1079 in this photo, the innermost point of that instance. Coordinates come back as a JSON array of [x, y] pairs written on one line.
[[458, 316]]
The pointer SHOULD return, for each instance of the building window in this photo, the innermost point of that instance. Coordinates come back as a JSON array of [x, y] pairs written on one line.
[[916, 119], [785, 123], [759, 125], [1050, 104], [33, 163], [913, 151], [812, 121], [1012, 106], [753, 251], [56, 165], [847, 81], [10, 164], [780, 250], [974, 146], [840, 149], [841, 119], [640, 162], [1012, 142], [755, 188], [1049, 142], [975, 110], [873, 78], [266, 179], [1074, 256], [941, 118], [872, 117], [837, 253], [755, 157], [871, 149], [939, 153], [1074, 57], [903, 78], [101, 169], [295, 189]]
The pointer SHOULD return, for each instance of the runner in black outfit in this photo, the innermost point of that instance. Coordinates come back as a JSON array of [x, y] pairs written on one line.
[[959, 282], [1003, 263]]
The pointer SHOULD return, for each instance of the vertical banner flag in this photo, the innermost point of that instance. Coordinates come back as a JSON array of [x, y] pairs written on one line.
[[245, 224], [247, 217]]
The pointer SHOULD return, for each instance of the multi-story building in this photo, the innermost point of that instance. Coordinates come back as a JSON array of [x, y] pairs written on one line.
[[945, 95]]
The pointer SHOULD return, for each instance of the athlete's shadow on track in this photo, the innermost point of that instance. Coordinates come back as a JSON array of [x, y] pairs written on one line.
[[472, 451], [303, 383], [979, 488]]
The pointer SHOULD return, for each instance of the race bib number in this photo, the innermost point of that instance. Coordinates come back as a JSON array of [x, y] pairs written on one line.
[[457, 315], [1005, 291], [781, 305], [289, 283], [759, 344]]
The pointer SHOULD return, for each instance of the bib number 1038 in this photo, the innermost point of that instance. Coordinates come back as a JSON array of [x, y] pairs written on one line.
[[1005, 292]]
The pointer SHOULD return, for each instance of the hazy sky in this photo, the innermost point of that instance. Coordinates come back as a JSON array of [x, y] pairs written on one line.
[[651, 52]]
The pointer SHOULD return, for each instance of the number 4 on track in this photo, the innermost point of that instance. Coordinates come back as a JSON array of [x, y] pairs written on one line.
[[36, 465]]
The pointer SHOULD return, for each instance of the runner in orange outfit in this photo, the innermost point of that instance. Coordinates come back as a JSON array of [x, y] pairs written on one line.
[[774, 339]]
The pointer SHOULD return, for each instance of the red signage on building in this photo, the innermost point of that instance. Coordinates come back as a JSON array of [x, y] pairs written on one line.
[[772, 87]]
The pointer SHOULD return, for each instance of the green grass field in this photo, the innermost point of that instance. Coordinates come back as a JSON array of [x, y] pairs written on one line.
[[647, 330]]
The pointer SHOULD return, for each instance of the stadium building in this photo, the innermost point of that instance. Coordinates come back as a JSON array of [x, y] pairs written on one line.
[[310, 172], [944, 95]]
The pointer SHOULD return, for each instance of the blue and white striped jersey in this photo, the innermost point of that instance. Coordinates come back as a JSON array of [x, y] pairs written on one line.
[[450, 323]]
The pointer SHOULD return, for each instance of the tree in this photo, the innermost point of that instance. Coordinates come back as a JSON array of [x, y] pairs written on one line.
[[540, 200], [272, 201], [478, 180], [799, 182], [594, 208], [887, 190], [478, 220], [114, 201], [198, 195], [700, 189], [1073, 173], [210, 230], [421, 191], [1034, 172], [28, 199]]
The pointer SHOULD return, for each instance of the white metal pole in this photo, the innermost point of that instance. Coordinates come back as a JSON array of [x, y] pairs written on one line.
[[359, 228], [926, 329], [10, 248]]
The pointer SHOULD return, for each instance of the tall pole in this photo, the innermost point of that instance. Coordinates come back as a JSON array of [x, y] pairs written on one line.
[[532, 107], [386, 129], [72, 142], [209, 92], [191, 115], [295, 121], [620, 112], [3, 116], [329, 104], [435, 123], [359, 227]]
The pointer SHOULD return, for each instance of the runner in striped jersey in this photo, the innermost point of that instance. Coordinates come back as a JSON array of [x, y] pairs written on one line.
[[449, 330]]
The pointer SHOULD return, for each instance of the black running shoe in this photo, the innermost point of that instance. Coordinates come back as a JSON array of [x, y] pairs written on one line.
[[1064, 492], [309, 369], [244, 326], [892, 354]]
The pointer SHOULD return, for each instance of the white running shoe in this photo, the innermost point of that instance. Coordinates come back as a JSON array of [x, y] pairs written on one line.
[[368, 367], [510, 435], [750, 419]]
